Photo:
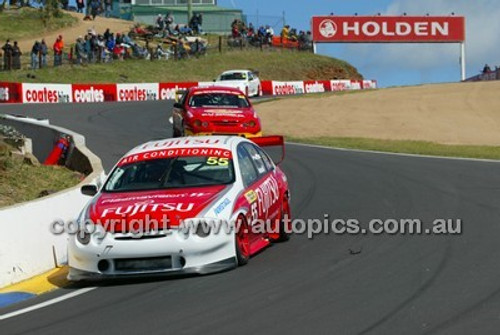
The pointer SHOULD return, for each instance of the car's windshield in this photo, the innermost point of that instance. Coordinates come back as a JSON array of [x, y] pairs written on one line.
[[178, 172], [233, 76], [232, 100]]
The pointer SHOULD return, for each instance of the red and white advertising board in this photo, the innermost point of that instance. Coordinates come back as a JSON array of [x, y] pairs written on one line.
[[287, 87], [94, 92], [137, 92], [10, 92], [47, 93], [167, 90], [388, 29]]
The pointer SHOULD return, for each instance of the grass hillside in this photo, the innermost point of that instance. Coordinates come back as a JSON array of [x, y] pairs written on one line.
[[18, 24], [272, 64]]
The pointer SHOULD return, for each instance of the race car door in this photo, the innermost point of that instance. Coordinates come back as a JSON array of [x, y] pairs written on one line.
[[262, 186]]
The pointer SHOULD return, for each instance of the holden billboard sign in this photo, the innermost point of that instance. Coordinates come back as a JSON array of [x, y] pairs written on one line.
[[388, 29]]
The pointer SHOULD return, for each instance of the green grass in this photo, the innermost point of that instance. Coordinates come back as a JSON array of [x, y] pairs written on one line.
[[272, 64], [408, 147], [17, 24], [21, 182]]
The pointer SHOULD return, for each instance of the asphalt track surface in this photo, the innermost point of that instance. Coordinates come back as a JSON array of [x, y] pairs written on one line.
[[332, 284]]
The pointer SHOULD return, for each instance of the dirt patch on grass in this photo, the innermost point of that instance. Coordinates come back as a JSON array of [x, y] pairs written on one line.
[[461, 113]]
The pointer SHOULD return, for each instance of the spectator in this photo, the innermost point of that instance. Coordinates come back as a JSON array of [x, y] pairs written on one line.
[[58, 50], [169, 23], [119, 39], [16, 56], [94, 8], [269, 34], [35, 51], [285, 33], [44, 50], [235, 32], [160, 22], [108, 7], [87, 47], [7, 55], [80, 4], [107, 34], [486, 69], [80, 50]]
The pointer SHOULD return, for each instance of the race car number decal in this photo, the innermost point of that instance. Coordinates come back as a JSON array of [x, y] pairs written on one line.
[[221, 161]]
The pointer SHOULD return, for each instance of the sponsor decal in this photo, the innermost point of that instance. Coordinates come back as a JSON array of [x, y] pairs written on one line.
[[220, 207], [156, 197], [251, 196], [94, 93], [389, 29], [180, 142], [137, 92], [316, 86], [168, 91], [288, 87], [267, 195], [369, 84], [148, 207], [46, 93], [4, 94], [178, 152]]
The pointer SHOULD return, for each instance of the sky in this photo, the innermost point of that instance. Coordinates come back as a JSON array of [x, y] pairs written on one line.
[[395, 64]]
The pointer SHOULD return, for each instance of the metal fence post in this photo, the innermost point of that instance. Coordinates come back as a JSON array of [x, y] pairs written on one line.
[[220, 44]]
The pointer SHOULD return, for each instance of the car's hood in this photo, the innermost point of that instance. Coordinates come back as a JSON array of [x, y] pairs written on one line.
[[133, 211]]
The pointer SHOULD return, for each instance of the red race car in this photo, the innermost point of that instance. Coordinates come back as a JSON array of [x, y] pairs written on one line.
[[215, 111]]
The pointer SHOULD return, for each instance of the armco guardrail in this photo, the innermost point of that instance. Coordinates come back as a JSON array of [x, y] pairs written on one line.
[[83, 93], [27, 246]]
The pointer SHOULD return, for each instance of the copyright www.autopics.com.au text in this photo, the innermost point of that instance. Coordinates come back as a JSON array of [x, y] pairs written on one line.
[[147, 225]]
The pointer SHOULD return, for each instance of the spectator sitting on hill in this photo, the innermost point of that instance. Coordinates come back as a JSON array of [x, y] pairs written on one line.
[[285, 32], [169, 23], [119, 38], [80, 50], [269, 34], [160, 22], [107, 34], [235, 33]]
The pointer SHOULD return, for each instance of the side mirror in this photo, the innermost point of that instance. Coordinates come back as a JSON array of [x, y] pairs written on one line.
[[177, 105], [89, 190]]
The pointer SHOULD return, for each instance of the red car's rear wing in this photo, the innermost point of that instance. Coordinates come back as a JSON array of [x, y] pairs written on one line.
[[271, 141]]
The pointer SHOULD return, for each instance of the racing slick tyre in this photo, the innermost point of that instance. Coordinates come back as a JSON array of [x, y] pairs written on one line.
[[242, 241], [283, 232]]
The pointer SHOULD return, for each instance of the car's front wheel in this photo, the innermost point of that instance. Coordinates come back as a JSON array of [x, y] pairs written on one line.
[[281, 232]]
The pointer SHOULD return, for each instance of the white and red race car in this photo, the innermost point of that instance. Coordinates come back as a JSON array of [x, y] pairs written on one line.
[[184, 205]]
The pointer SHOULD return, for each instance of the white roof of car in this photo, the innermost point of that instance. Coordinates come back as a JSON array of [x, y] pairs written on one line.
[[233, 71], [216, 142]]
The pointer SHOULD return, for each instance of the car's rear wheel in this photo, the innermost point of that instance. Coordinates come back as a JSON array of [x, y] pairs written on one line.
[[242, 241], [281, 231]]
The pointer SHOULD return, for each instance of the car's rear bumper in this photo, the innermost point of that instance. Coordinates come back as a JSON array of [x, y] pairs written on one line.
[[247, 135]]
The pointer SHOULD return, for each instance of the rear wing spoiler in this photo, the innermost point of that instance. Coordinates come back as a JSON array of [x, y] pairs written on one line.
[[271, 141]]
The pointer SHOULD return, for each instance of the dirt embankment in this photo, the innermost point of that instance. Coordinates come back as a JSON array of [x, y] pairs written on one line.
[[461, 113], [70, 34]]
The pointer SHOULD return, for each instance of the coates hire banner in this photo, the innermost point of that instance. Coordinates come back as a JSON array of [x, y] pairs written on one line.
[[10, 92], [137, 92], [47, 93], [389, 29], [288, 87], [167, 90], [94, 92]]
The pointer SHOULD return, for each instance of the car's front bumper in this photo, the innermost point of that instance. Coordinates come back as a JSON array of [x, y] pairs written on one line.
[[181, 253]]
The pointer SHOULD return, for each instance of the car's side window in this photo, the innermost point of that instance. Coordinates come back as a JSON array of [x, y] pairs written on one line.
[[265, 157], [248, 171], [257, 159], [250, 76]]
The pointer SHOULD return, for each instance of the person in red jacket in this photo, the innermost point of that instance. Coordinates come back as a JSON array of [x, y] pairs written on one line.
[[58, 50]]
